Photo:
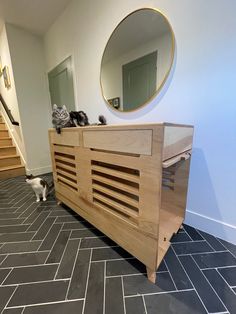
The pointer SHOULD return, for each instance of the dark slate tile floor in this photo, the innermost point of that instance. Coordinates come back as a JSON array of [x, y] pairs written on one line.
[[52, 261]]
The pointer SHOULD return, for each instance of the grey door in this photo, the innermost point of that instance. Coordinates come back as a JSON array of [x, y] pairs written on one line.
[[139, 81], [61, 85]]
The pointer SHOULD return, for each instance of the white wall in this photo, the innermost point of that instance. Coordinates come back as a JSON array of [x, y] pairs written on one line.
[[199, 91], [9, 95], [28, 62]]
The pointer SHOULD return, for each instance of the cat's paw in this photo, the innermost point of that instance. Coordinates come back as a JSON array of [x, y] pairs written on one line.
[[44, 199], [37, 201]]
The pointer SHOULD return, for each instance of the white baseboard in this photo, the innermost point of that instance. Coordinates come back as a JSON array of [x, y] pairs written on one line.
[[215, 227], [38, 171]]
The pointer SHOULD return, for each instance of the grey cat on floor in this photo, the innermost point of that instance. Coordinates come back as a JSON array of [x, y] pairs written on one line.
[[40, 187]]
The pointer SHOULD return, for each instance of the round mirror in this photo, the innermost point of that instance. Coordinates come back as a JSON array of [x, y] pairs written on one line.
[[137, 60]]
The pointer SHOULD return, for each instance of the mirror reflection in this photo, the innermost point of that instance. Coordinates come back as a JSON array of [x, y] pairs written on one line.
[[137, 60]]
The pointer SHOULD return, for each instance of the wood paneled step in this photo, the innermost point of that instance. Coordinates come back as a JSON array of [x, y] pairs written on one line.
[[2, 126], [7, 150], [9, 160], [12, 171], [4, 133], [7, 141]]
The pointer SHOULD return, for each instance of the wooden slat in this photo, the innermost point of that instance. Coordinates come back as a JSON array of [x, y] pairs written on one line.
[[116, 184], [68, 182], [62, 158], [117, 195], [68, 174], [117, 206], [64, 166], [116, 213], [64, 149], [116, 173]]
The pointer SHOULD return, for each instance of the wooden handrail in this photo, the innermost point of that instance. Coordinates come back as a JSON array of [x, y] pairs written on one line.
[[8, 111]]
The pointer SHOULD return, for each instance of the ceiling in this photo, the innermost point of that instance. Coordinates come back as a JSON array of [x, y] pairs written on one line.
[[35, 16]]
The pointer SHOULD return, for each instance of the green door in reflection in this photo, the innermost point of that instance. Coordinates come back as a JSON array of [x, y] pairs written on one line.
[[139, 81], [61, 85]]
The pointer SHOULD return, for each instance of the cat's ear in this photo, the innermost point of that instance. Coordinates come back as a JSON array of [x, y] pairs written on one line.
[[54, 107], [64, 107]]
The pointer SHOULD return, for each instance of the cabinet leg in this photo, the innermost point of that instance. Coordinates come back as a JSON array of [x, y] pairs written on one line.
[[151, 274]]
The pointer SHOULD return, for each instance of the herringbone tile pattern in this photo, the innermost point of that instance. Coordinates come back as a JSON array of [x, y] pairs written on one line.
[[52, 261]]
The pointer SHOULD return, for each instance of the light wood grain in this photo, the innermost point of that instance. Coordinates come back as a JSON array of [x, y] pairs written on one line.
[[129, 181]]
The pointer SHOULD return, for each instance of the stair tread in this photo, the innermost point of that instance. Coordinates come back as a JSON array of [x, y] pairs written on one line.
[[8, 146], [9, 156], [11, 167]]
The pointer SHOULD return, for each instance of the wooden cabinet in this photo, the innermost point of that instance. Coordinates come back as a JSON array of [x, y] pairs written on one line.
[[129, 181]]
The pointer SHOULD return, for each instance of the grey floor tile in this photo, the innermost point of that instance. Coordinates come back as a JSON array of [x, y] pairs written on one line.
[[20, 247], [58, 247], [217, 246], [193, 233], [44, 228], [25, 259], [5, 294], [72, 307], [50, 238], [212, 260], [79, 276], [191, 247], [38, 222], [96, 242], [109, 254], [13, 229], [134, 305], [86, 233], [31, 274], [11, 222], [181, 237], [16, 237], [68, 259], [185, 302], [114, 296], [95, 292], [3, 274], [231, 247], [139, 284], [229, 274], [210, 299], [124, 267], [36, 293], [222, 289], [77, 225], [2, 257], [177, 271], [13, 311]]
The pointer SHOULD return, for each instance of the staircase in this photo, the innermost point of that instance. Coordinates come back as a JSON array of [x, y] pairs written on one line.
[[10, 162]]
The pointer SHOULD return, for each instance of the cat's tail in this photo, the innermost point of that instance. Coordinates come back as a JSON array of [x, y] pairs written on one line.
[[50, 188], [102, 120]]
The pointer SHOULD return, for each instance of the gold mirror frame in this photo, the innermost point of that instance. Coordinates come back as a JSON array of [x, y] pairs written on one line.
[[166, 74]]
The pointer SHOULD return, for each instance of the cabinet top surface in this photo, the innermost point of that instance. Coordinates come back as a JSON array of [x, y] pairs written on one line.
[[124, 126]]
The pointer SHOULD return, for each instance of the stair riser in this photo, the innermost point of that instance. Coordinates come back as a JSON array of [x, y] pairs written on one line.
[[11, 161], [2, 126], [12, 173], [5, 142], [7, 151], [3, 133]]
